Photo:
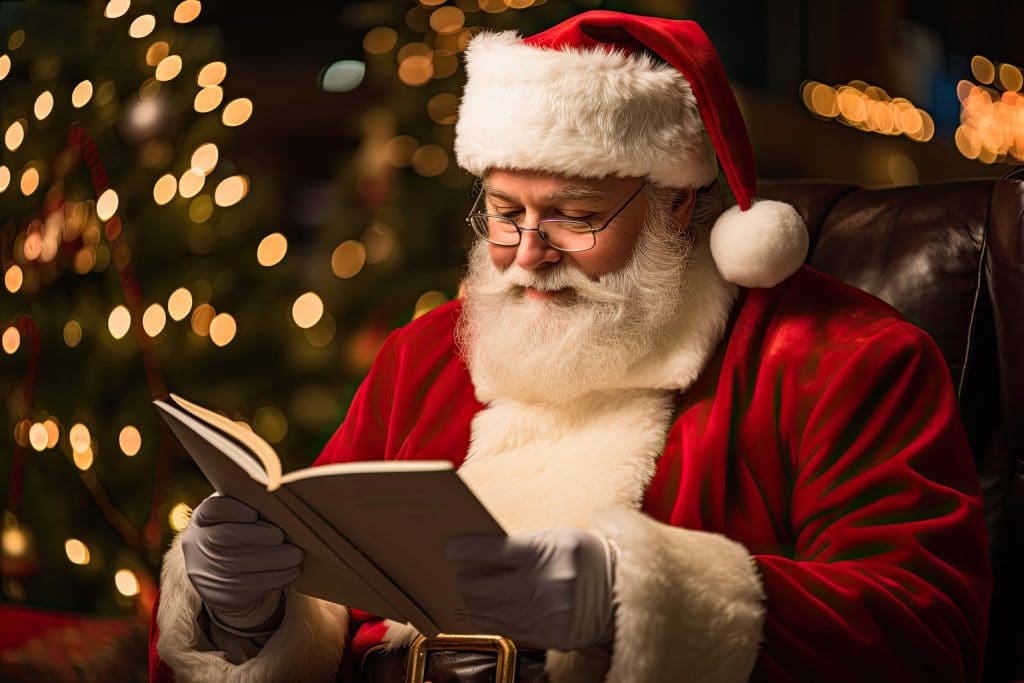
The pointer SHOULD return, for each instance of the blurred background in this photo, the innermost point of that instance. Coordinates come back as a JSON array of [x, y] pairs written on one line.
[[238, 201]]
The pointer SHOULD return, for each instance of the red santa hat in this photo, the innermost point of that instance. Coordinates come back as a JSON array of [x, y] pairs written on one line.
[[606, 93]]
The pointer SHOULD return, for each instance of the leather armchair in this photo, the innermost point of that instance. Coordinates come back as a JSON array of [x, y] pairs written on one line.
[[950, 257]]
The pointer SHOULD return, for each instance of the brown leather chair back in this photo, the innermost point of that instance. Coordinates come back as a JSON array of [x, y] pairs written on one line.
[[950, 257]]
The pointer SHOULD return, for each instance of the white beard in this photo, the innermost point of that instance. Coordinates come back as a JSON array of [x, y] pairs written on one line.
[[556, 350]]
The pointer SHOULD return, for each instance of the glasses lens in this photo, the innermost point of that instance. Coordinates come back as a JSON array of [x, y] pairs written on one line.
[[495, 230], [568, 235]]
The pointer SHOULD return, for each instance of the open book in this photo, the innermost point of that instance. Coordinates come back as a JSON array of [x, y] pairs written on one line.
[[373, 533]]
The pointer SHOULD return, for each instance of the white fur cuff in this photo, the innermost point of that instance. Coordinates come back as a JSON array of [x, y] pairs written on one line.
[[689, 603], [307, 646]]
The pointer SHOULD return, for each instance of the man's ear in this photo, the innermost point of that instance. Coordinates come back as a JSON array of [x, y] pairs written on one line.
[[682, 207]]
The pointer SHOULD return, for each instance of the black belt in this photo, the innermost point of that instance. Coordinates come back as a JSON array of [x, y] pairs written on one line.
[[456, 659]]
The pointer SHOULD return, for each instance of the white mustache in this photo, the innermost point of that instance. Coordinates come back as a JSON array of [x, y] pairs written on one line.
[[559, 277]]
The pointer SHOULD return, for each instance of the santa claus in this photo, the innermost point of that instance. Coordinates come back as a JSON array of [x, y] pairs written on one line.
[[714, 464]]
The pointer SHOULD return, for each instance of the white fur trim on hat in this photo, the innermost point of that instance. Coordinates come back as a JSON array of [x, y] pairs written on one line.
[[588, 113], [689, 604], [759, 247], [307, 646]]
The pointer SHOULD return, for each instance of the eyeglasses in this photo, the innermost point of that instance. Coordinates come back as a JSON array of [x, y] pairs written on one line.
[[563, 234]]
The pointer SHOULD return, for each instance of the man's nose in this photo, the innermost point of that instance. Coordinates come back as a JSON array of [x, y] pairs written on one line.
[[533, 252]]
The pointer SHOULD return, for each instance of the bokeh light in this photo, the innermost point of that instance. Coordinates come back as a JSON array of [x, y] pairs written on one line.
[[187, 11], [237, 112], [231, 190], [270, 423], [11, 340], [271, 249], [154, 320], [80, 438], [222, 329], [156, 52], [77, 551], [428, 302], [43, 105], [204, 159], [342, 76], [83, 459], [81, 94], [126, 582], [52, 433], [38, 437], [168, 68], [416, 70], [106, 205], [307, 310], [202, 316], [348, 259], [119, 322], [982, 69], [212, 74], [201, 209], [29, 181], [13, 278], [208, 99], [179, 516], [15, 135], [190, 183], [380, 40], [179, 303], [116, 8], [142, 26], [130, 440], [443, 108], [447, 19], [430, 160], [15, 541], [72, 333], [165, 188]]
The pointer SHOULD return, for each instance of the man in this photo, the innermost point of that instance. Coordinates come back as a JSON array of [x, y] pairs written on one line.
[[713, 464]]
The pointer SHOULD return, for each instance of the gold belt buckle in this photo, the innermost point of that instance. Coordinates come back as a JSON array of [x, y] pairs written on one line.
[[505, 649]]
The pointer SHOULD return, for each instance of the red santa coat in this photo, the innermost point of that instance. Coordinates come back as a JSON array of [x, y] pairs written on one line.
[[801, 505]]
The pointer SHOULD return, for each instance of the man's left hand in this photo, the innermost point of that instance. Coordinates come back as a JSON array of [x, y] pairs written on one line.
[[551, 588]]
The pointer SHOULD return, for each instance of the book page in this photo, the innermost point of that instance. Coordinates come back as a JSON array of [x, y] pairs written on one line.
[[403, 518], [252, 441]]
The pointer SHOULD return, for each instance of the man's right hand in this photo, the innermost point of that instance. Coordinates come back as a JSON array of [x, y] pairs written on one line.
[[238, 563]]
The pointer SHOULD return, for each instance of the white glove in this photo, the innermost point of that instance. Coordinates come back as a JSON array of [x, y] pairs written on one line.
[[551, 588], [238, 564]]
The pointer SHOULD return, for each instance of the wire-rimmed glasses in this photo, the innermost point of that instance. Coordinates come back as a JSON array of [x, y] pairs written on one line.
[[563, 234]]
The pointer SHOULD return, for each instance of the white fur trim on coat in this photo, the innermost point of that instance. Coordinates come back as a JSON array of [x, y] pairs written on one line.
[[587, 113], [689, 604], [307, 646]]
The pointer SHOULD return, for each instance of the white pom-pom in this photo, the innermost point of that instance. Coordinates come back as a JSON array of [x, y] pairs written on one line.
[[759, 247]]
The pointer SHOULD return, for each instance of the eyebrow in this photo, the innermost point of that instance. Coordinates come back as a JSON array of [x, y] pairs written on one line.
[[569, 192]]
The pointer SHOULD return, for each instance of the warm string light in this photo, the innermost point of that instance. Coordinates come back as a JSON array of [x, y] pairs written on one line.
[[126, 582], [991, 116], [271, 249], [348, 259], [130, 440], [868, 108], [179, 516], [77, 551], [11, 340], [307, 310]]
